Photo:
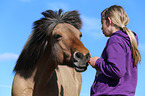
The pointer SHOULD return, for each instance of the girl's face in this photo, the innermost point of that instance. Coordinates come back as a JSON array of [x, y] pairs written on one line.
[[105, 28]]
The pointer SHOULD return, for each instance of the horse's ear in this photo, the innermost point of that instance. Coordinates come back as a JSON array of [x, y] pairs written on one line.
[[73, 18]]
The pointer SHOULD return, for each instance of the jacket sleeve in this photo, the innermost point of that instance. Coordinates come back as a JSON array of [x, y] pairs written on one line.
[[113, 65]]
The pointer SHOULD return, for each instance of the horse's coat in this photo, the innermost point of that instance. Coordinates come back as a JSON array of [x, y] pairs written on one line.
[[52, 58]]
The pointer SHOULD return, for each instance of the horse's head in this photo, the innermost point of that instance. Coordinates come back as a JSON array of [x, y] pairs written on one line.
[[64, 38], [55, 36], [68, 48]]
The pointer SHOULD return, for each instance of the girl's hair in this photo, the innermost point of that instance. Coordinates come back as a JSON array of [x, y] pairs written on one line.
[[120, 19]]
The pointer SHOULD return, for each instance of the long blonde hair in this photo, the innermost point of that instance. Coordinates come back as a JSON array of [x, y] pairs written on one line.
[[120, 19]]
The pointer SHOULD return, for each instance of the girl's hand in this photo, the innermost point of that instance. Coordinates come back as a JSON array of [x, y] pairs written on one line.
[[92, 61]]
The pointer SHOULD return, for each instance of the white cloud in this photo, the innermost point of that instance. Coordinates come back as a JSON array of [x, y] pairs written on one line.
[[8, 56], [91, 23], [57, 6], [92, 26]]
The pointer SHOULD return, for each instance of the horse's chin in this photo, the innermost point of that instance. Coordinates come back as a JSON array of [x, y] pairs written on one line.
[[80, 67]]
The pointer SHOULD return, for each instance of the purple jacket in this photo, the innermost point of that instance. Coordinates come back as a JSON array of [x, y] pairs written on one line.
[[116, 74]]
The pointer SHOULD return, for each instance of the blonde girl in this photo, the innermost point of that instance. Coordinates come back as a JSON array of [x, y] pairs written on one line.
[[117, 66]]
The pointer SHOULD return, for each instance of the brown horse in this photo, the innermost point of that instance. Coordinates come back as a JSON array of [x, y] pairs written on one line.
[[52, 58]]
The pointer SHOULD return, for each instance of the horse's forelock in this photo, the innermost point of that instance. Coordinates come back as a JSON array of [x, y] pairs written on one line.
[[73, 18], [55, 17]]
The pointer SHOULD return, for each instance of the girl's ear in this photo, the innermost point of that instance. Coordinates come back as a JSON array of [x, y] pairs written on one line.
[[110, 21]]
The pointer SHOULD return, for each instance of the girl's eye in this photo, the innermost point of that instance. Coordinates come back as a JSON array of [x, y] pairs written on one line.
[[58, 36], [81, 35]]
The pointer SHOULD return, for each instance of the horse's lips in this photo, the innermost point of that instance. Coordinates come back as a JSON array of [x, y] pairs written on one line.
[[80, 70], [80, 67]]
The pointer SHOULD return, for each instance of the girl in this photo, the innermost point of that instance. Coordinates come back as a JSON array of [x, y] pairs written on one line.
[[117, 67]]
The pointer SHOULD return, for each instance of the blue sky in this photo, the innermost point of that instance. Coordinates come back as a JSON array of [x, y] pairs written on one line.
[[17, 16]]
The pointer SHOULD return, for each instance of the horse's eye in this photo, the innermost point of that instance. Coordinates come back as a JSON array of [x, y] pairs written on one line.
[[58, 36]]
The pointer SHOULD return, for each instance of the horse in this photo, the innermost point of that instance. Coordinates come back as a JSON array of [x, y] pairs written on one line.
[[51, 62]]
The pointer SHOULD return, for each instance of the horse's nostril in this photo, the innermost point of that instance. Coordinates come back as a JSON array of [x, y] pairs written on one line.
[[79, 55]]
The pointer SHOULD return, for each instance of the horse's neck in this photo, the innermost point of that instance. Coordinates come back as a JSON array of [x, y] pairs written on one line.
[[45, 65], [45, 69], [67, 72], [68, 80]]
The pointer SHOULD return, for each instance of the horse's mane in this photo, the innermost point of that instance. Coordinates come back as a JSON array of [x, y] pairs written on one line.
[[38, 40]]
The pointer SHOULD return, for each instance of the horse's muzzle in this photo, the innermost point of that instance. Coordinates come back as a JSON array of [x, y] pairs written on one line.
[[81, 61]]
